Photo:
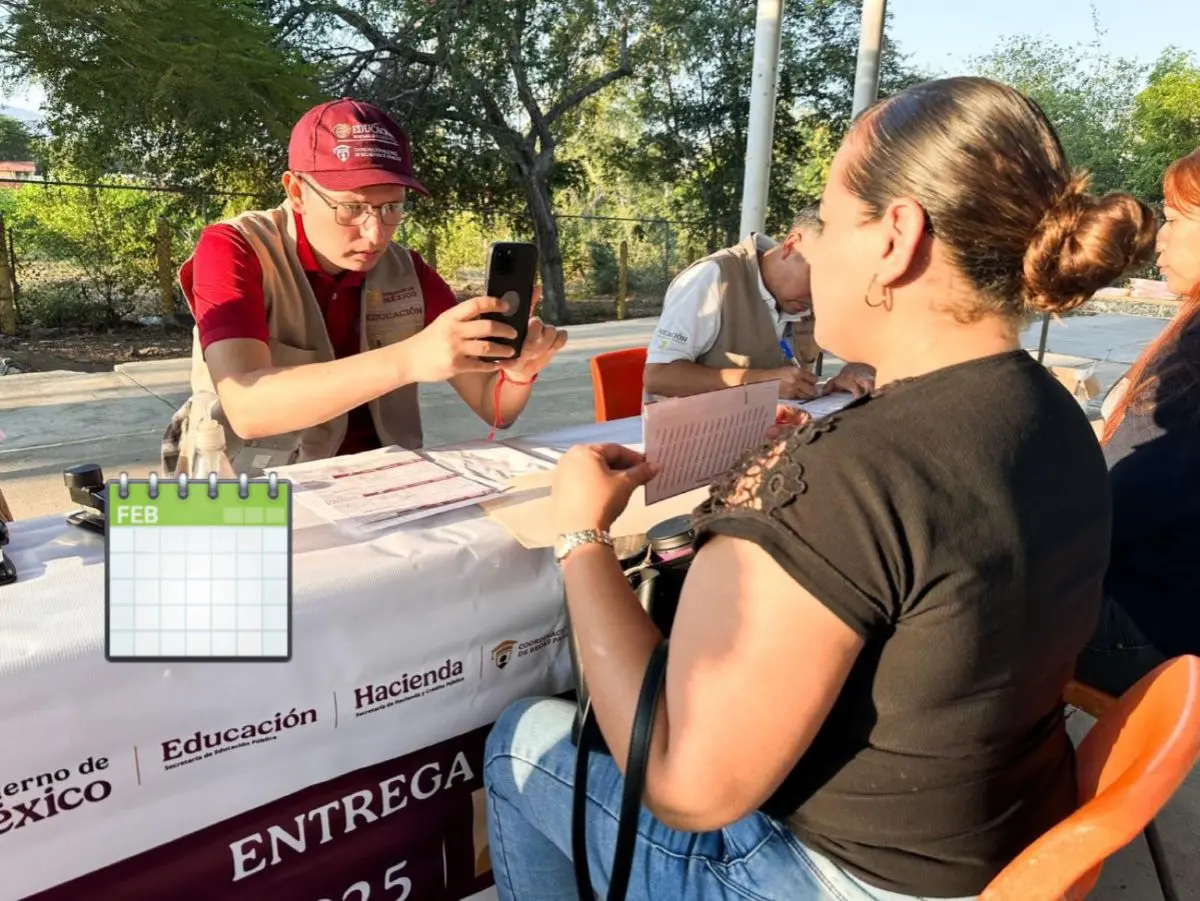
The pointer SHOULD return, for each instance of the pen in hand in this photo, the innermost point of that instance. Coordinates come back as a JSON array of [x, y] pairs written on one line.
[[787, 353]]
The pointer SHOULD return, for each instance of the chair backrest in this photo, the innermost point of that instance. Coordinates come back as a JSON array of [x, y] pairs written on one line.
[[1091, 701], [1129, 765], [617, 383]]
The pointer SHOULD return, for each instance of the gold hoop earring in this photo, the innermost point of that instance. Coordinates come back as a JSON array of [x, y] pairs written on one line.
[[885, 297], [867, 296]]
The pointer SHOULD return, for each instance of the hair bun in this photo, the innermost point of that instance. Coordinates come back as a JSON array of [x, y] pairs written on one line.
[[1085, 243]]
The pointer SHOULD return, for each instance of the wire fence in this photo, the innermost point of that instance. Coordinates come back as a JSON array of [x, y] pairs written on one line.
[[93, 255]]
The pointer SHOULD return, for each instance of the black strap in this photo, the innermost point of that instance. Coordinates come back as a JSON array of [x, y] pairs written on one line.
[[633, 787], [583, 879], [635, 772]]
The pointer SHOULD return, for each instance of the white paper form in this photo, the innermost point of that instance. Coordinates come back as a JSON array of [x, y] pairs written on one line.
[[494, 462], [826, 405], [382, 488], [694, 439]]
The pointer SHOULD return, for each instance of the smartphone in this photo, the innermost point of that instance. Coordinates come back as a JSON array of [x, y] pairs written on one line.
[[511, 272]]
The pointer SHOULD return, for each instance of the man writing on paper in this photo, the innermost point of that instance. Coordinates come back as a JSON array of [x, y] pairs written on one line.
[[313, 328], [728, 318]]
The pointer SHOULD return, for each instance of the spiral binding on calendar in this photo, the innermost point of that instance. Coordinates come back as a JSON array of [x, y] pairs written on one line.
[[243, 483]]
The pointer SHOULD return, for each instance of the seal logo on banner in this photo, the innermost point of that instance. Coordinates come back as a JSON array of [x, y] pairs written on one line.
[[502, 653], [505, 651]]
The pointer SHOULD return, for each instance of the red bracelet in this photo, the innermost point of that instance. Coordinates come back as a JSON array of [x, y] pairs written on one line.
[[504, 377]]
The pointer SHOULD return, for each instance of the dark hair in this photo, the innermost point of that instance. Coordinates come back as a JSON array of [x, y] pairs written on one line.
[[808, 217], [989, 171], [1164, 370]]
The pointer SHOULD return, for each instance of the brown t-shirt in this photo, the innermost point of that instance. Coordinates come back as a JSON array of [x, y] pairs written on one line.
[[960, 523]]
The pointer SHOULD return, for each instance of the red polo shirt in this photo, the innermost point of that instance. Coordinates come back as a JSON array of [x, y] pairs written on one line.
[[226, 293]]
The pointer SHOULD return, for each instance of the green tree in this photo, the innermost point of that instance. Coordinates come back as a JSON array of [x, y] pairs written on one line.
[[490, 87], [694, 99], [813, 172], [194, 93], [1086, 94], [16, 143], [1166, 122], [97, 248]]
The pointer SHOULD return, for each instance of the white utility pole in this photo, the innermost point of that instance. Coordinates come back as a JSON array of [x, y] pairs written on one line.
[[761, 133], [870, 50]]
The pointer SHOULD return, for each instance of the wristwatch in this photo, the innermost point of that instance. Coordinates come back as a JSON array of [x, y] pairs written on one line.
[[564, 544]]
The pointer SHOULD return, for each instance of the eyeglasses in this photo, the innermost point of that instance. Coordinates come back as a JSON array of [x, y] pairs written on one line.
[[349, 213]]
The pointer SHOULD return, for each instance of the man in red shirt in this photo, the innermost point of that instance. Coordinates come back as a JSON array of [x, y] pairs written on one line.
[[313, 327]]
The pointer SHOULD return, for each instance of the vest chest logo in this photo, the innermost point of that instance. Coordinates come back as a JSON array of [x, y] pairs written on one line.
[[393, 316], [377, 298], [402, 313]]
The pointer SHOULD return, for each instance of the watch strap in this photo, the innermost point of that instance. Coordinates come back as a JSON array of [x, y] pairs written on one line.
[[571, 540]]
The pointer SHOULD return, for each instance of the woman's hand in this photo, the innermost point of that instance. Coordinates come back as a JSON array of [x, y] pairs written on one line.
[[786, 419], [855, 378], [593, 483]]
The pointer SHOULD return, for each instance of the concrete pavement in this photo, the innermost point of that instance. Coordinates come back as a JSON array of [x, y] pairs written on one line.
[[57, 419]]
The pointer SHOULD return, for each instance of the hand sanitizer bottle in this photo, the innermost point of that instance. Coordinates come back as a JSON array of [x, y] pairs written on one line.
[[210, 452]]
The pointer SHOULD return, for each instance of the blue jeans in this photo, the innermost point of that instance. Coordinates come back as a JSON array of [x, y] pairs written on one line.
[[529, 768]]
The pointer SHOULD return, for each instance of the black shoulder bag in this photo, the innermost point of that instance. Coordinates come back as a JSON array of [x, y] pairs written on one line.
[[658, 581]]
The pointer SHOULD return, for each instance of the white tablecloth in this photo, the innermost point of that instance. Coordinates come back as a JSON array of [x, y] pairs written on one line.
[[371, 618]]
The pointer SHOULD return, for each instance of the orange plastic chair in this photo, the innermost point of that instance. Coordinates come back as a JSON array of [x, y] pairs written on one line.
[[1096, 703], [1091, 701], [617, 383], [1132, 761]]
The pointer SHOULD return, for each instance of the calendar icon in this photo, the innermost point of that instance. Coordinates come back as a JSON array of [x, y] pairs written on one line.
[[198, 570]]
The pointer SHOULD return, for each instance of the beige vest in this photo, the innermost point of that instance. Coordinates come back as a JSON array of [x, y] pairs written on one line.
[[392, 309], [747, 337]]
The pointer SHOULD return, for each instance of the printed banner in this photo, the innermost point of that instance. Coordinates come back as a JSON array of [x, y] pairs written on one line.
[[335, 777], [411, 829], [168, 811]]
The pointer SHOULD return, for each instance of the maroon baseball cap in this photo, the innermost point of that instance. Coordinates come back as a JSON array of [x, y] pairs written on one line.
[[347, 144]]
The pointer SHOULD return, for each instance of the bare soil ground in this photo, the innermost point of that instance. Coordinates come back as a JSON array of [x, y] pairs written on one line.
[[79, 350]]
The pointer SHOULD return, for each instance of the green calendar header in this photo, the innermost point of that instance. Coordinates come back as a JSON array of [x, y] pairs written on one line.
[[198, 508]]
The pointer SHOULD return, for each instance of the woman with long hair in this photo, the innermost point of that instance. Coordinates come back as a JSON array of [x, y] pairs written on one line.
[[863, 697], [1151, 440]]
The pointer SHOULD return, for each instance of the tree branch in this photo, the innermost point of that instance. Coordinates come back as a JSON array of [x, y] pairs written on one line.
[[503, 133], [623, 70], [288, 23], [540, 126]]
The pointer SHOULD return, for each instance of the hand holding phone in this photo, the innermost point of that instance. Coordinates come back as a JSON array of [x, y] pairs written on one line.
[[457, 341], [511, 273]]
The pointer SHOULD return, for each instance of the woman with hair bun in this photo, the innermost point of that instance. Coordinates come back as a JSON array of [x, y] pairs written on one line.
[[1151, 441], [863, 698]]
